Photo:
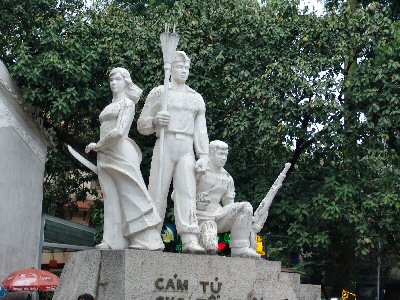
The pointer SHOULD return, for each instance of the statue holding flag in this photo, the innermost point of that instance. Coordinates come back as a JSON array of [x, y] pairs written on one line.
[[176, 114]]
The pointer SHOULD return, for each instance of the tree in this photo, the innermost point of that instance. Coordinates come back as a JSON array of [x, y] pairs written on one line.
[[393, 5], [22, 22], [64, 71]]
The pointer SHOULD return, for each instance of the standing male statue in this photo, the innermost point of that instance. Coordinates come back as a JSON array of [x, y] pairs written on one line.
[[216, 187], [185, 126]]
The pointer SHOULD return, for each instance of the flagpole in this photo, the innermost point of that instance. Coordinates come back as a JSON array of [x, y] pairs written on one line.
[[169, 42]]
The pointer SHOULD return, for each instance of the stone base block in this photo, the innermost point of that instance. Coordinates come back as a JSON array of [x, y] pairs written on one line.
[[147, 275]]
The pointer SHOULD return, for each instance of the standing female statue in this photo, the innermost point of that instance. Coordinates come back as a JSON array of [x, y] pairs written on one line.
[[130, 218]]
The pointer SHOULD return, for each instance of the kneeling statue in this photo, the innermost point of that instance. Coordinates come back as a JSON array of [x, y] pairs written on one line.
[[217, 212]]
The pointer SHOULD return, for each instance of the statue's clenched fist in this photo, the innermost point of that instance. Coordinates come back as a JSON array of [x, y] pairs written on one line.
[[161, 119]]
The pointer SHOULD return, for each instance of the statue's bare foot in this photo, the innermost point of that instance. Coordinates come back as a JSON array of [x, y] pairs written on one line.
[[245, 252], [192, 247], [103, 246]]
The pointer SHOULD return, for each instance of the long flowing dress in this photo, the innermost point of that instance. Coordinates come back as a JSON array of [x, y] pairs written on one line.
[[129, 212]]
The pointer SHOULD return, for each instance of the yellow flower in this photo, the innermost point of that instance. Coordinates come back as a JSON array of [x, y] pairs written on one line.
[[260, 247]]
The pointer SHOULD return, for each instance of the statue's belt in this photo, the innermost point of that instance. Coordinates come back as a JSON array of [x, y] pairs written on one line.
[[178, 136]]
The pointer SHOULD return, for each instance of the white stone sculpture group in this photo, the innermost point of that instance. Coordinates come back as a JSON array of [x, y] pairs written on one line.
[[203, 190]]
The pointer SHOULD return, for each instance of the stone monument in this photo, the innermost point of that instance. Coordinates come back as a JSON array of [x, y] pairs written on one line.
[[133, 215], [23, 144]]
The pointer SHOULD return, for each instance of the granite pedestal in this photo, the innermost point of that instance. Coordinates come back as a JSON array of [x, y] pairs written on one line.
[[145, 275]]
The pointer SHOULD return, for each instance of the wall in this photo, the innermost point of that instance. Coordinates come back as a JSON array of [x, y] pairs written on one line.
[[23, 149]]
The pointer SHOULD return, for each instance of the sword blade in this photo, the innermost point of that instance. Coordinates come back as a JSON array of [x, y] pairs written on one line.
[[83, 160]]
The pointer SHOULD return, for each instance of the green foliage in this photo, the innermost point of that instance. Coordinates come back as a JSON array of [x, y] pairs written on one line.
[[46, 295], [97, 216], [145, 8], [277, 89], [393, 6], [62, 179]]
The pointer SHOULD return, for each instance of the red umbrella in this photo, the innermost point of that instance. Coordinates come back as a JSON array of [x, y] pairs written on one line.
[[31, 280]]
